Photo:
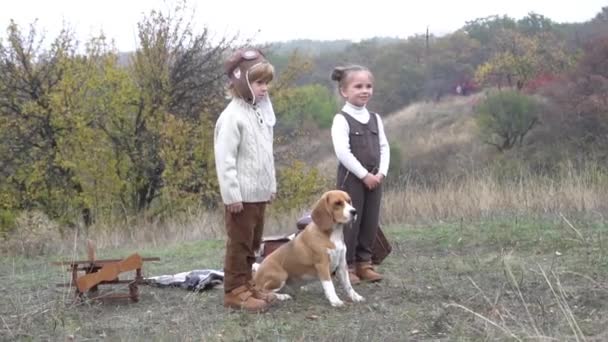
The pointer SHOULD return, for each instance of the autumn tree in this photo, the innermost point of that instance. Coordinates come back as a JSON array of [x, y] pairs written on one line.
[[504, 118], [518, 58], [33, 134], [289, 102], [485, 30], [534, 24], [451, 62], [83, 133], [581, 97], [398, 76], [178, 76], [96, 90]]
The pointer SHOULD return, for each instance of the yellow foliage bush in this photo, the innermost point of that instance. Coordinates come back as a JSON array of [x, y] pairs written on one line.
[[298, 185]]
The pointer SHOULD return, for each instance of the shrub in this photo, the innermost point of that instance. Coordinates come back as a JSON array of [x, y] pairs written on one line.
[[7, 222], [298, 185], [306, 104], [505, 117]]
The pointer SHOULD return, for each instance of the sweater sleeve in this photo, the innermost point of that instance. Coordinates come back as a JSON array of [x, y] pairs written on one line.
[[340, 138], [385, 150], [226, 145], [273, 180]]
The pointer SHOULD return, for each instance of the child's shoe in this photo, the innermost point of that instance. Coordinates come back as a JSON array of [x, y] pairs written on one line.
[[366, 272], [352, 276], [243, 299]]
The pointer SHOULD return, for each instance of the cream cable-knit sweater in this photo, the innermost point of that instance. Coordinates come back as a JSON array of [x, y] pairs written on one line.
[[244, 154]]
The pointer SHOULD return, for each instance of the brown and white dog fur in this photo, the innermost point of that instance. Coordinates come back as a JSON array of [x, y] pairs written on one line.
[[315, 253]]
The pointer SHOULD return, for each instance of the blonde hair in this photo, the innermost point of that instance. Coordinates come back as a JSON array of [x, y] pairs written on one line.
[[341, 74], [263, 71]]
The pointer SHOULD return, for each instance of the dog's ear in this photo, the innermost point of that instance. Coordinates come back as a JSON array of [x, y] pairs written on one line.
[[321, 214]]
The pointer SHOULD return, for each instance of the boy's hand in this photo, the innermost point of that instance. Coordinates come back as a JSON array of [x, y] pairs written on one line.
[[235, 208], [273, 196]]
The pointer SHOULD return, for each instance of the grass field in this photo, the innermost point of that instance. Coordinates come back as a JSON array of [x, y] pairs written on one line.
[[504, 279]]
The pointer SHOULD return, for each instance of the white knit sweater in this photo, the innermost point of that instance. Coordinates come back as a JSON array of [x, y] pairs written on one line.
[[244, 154]]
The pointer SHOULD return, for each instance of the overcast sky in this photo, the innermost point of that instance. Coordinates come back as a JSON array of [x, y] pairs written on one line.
[[280, 20]]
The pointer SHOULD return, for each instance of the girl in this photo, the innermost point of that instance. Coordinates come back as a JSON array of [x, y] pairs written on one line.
[[363, 154], [244, 162]]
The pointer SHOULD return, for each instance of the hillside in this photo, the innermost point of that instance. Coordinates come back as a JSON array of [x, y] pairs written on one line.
[[430, 138]]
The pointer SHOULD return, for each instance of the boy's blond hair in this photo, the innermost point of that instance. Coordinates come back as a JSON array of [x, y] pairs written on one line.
[[263, 72]]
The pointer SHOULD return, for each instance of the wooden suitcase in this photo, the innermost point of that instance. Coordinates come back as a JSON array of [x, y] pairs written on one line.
[[270, 244], [381, 248]]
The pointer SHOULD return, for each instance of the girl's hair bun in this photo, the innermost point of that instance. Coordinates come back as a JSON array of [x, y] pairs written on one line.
[[338, 73]]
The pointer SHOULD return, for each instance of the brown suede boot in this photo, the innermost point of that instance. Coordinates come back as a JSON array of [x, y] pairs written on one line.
[[366, 272], [267, 296], [352, 276], [242, 298]]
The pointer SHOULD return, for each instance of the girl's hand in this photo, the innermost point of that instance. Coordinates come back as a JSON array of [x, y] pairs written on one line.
[[235, 208], [371, 181], [273, 196]]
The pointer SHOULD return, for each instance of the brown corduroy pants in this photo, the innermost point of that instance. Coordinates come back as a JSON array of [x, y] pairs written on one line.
[[244, 232]]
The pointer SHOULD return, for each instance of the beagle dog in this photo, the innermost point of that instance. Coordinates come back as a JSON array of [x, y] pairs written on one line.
[[315, 253]]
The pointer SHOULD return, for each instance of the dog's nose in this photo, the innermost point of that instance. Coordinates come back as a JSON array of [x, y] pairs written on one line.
[[353, 211]]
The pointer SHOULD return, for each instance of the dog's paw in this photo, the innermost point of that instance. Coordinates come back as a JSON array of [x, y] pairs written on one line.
[[355, 297], [337, 303], [282, 296]]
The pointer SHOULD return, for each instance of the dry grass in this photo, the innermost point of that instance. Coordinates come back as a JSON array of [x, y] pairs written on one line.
[[483, 196], [473, 198], [499, 316], [30, 239], [192, 226]]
